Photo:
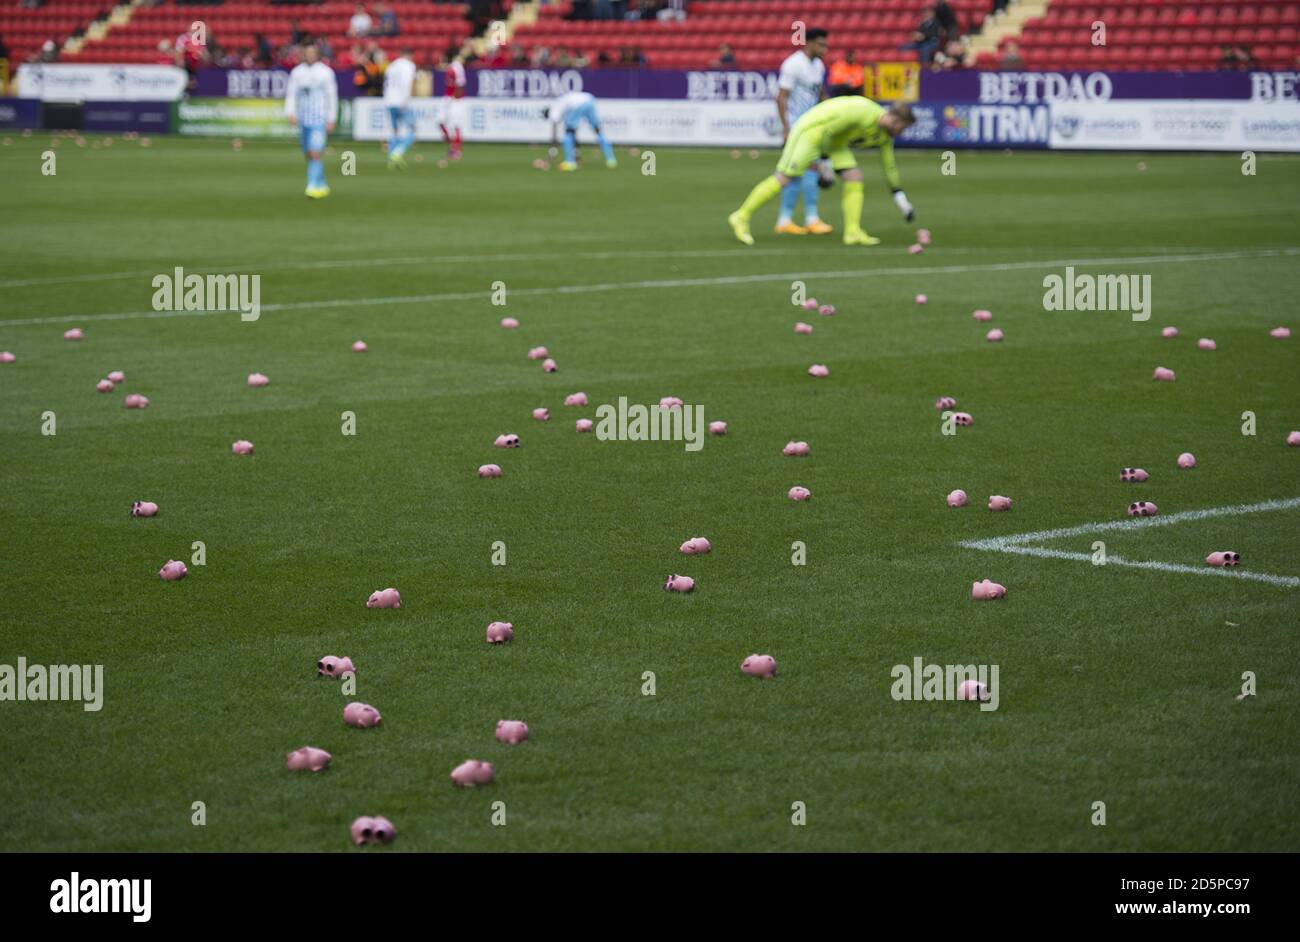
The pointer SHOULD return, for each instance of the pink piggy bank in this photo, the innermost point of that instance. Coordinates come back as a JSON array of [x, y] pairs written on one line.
[[511, 732], [997, 502], [801, 328], [73, 333], [542, 415], [826, 310], [384, 598], [376, 830], [982, 315], [361, 715], [359, 346], [258, 379], [987, 590], [796, 449], [576, 399], [104, 385], [489, 471], [676, 583], [1205, 343], [509, 323], [1281, 333], [117, 376], [242, 447], [957, 498], [1164, 375], [972, 690], [143, 508], [335, 667], [499, 632], [923, 236], [963, 418], [307, 759], [507, 441], [1293, 440], [549, 366], [995, 335], [819, 369], [172, 570], [538, 353], [1169, 333], [1142, 508], [135, 401], [1186, 460], [472, 773], [583, 425], [945, 402], [810, 304], [799, 493], [1225, 558], [717, 428], [670, 402], [7, 357], [696, 545], [759, 665], [1132, 475]]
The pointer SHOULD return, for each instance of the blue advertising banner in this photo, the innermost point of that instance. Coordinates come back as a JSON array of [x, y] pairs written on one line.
[[20, 113], [962, 125]]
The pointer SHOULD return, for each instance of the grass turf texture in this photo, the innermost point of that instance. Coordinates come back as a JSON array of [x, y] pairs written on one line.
[[1117, 685]]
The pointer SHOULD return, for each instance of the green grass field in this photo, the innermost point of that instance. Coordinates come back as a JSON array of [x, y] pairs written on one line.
[[1117, 684]]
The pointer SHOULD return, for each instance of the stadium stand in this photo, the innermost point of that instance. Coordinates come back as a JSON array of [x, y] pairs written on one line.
[[1140, 34]]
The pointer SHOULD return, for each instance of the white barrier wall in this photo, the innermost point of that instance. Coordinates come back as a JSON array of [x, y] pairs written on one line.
[[59, 81]]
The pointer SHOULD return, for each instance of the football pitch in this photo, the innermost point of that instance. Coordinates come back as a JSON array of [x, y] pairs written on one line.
[[1119, 683]]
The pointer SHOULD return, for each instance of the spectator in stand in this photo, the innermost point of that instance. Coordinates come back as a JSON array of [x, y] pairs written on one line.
[[630, 57], [1012, 60], [361, 23], [672, 10], [562, 59], [999, 6], [645, 9], [263, 54], [518, 56], [953, 56], [541, 57], [387, 25], [297, 35], [580, 61], [943, 12], [846, 77], [1236, 59], [4, 50], [726, 58], [166, 53], [925, 38]]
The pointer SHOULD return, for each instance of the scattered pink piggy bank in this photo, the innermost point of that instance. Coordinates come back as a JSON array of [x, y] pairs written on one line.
[[957, 498], [242, 447], [499, 632], [963, 418], [135, 401], [819, 369], [117, 376], [472, 773], [670, 402], [489, 471], [972, 690], [583, 425], [335, 667], [1169, 332], [998, 502], [511, 732], [73, 334], [801, 328], [7, 357], [104, 385], [359, 347], [923, 236], [542, 415], [717, 428], [995, 335], [987, 590], [1281, 333], [1225, 558], [810, 304], [796, 449], [1205, 343], [374, 830], [507, 441], [696, 545], [361, 715], [799, 493], [549, 365], [143, 508], [921, 299], [945, 402], [676, 583], [576, 399], [172, 570], [1293, 439], [307, 759], [916, 248], [1186, 460], [1132, 475], [1142, 508], [509, 323], [982, 315], [759, 665], [826, 310], [1164, 375], [384, 598], [258, 379], [538, 353]]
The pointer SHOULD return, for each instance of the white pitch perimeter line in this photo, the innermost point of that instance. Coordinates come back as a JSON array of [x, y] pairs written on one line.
[[1017, 543], [670, 283]]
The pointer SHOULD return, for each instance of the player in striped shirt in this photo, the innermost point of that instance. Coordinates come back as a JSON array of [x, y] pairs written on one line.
[[312, 103]]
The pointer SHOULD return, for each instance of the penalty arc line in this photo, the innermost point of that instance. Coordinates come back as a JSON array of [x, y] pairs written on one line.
[[717, 281]]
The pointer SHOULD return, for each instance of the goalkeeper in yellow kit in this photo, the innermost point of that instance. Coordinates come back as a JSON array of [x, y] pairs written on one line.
[[830, 129]]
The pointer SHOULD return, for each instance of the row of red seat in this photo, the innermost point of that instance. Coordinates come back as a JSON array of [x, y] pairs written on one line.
[[1143, 36], [1148, 16]]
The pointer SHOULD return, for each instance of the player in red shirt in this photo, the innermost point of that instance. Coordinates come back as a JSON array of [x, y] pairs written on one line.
[[453, 107]]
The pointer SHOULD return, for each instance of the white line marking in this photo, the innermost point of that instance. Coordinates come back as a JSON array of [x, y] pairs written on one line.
[[1017, 543], [670, 283]]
